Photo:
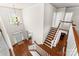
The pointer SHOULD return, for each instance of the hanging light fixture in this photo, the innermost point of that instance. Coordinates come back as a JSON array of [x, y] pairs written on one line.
[[14, 18]]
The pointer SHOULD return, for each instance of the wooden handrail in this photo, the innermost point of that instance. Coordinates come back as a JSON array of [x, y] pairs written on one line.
[[65, 21], [76, 38]]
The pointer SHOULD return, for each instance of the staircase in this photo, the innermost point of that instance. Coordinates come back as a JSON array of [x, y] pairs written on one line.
[[45, 49], [50, 37]]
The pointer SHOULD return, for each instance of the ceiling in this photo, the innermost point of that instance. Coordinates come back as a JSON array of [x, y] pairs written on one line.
[[58, 5], [17, 5], [23, 5]]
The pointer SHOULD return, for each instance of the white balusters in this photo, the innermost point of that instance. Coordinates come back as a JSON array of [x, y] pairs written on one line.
[[71, 44]]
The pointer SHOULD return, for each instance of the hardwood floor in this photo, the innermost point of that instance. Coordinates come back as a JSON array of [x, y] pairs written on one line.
[[58, 50], [21, 49]]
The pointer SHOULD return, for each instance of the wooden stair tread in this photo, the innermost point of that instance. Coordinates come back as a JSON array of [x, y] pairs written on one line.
[[47, 45], [51, 33], [55, 51], [48, 41], [50, 36]]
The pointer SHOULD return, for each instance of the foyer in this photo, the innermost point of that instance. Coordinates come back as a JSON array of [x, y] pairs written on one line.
[[39, 29]]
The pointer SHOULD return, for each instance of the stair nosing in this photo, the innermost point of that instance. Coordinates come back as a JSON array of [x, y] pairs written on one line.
[[47, 45], [49, 40], [50, 36]]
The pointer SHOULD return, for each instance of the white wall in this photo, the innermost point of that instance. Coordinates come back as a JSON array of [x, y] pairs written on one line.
[[54, 16], [48, 18], [6, 37], [68, 17], [75, 16], [59, 15], [33, 21], [38, 20], [5, 14], [4, 50]]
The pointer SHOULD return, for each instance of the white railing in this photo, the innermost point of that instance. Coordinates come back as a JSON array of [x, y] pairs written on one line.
[[71, 44], [56, 39]]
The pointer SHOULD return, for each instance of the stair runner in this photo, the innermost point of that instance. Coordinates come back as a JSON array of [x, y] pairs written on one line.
[[50, 37]]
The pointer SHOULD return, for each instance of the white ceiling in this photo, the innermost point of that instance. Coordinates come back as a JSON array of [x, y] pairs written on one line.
[[23, 5], [17, 5], [65, 4]]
